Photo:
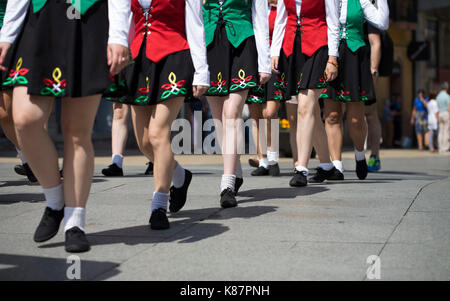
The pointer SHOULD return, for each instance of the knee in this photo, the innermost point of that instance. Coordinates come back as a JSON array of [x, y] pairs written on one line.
[[271, 114], [304, 110], [76, 133], [333, 119], [157, 138], [232, 115], [355, 122], [25, 122]]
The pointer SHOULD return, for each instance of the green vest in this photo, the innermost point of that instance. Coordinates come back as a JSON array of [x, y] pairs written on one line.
[[2, 11], [237, 15], [354, 28], [81, 5]]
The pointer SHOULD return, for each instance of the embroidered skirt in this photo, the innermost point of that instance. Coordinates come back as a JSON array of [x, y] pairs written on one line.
[[232, 69], [263, 93], [147, 83], [354, 82], [60, 57], [301, 72]]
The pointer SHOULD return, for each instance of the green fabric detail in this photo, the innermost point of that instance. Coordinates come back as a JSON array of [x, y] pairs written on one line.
[[237, 15], [2, 11], [354, 26], [80, 5]]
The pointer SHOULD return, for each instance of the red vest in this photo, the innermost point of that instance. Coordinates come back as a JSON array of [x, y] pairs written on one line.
[[165, 28], [272, 17], [314, 28]]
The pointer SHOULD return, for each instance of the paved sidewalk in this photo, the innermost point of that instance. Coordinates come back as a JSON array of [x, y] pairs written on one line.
[[322, 232]]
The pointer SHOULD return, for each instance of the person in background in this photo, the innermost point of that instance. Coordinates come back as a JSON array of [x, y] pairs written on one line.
[[443, 101], [433, 121], [419, 119], [388, 119], [396, 110], [119, 136]]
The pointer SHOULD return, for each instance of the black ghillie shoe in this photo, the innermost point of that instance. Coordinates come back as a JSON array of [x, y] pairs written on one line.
[[49, 225], [76, 241], [299, 179], [158, 220], [227, 199], [112, 171], [178, 196]]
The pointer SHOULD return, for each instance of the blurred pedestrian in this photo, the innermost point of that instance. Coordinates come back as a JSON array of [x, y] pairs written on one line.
[[433, 121], [388, 119], [443, 101], [419, 119]]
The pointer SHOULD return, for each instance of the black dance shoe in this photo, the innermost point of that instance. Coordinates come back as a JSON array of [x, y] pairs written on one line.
[[49, 225], [149, 170], [237, 185], [299, 179], [274, 170], [178, 195], [337, 175], [112, 171], [158, 220], [260, 171], [227, 198], [322, 175], [29, 173], [253, 162], [76, 241], [20, 170], [362, 169]]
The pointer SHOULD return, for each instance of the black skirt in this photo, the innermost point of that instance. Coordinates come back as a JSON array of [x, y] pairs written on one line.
[[354, 82], [145, 82], [267, 92], [232, 69], [60, 57], [301, 72]]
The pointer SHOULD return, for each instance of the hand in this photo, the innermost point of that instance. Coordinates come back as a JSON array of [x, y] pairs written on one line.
[[199, 91], [274, 64], [4, 48], [331, 70], [118, 58], [264, 77], [412, 121]]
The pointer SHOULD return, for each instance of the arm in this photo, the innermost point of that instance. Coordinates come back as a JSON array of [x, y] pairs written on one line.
[[375, 54], [195, 33], [119, 25], [332, 12], [15, 14], [260, 20], [278, 35], [413, 115], [377, 17]]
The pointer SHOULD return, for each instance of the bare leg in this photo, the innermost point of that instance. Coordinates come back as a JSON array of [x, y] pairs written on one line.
[[307, 103], [270, 112], [291, 110], [161, 119], [119, 131], [30, 115], [374, 130], [140, 126], [420, 141], [256, 113], [6, 118], [78, 115], [357, 124], [333, 126]]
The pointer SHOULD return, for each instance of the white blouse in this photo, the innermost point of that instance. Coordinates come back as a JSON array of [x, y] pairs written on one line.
[[332, 17], [119, 11], [260, 20], [376, 17]]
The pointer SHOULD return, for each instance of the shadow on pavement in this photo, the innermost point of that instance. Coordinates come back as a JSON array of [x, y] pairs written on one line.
[[263, 194], [7, 199], [14, 183], [27, 268], [185, 227]]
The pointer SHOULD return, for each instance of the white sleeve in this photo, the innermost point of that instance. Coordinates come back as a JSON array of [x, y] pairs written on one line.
[[119, 21], [332, 10], [377, 17], [278, 31], [15, 14], [195, 33], [260, 20]]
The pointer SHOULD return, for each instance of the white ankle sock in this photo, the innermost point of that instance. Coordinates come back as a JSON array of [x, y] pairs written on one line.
[[117, 159], [264, 163], [178, 176], [21, 156], [302, 169], [272, 157], [339, 166], [54, 197], [326, 166], [74, 217], [238, 171], [360, 155], [160, 200], [228, 181]]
